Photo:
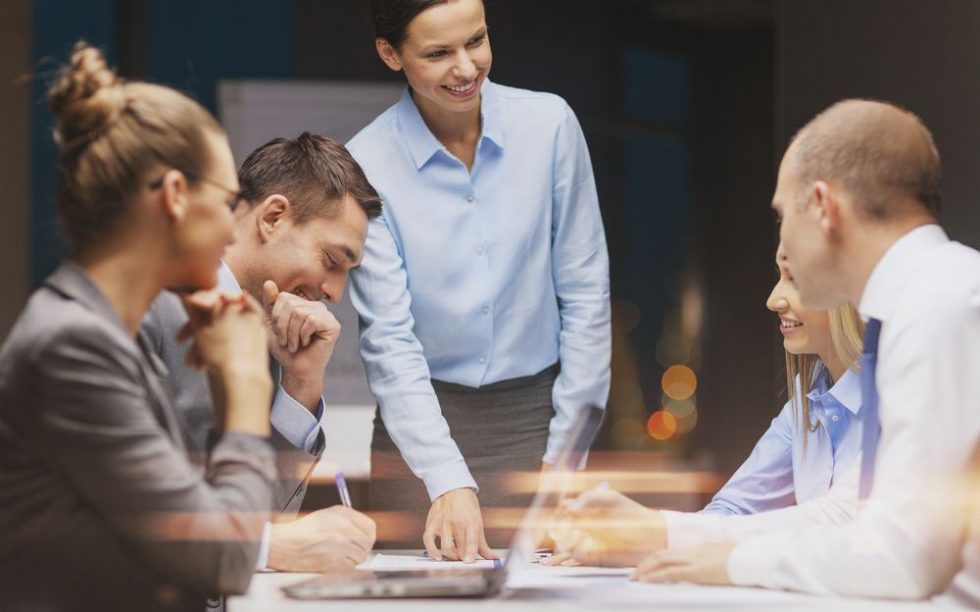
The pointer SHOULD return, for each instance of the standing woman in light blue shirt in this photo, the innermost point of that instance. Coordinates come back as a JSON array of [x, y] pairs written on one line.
[[802, 471], [484, 293]]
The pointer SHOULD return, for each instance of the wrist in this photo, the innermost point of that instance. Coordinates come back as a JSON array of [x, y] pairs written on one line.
[[306, 390], [245, 393], [276, 534], [240, 372], [657, 529]]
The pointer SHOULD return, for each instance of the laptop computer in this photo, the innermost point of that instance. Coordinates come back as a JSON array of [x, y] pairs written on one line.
[[477, 582]]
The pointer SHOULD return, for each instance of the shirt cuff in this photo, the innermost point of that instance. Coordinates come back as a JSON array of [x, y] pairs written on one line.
[[295, 422], [753, 562], [551, 453], [684, 529], [263, 559], [448, 477]]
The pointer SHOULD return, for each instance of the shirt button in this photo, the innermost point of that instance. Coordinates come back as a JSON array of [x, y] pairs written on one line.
[[486, 310], [470, 199], [835, 418], [479, 251], [483, 359]]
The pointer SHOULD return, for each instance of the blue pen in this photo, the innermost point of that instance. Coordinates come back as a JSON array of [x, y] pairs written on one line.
[[342, 489]]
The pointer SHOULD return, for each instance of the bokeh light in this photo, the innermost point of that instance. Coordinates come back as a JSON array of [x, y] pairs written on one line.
[[626, 315], [629, 432], [673, 349], [661, 425], [684, 411], [681, 409], [679, 382]]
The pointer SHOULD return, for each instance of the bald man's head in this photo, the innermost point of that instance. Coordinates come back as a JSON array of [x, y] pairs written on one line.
[[881, 154]]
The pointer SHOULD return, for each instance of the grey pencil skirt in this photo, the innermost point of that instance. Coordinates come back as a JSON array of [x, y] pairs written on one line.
[[501, 429]]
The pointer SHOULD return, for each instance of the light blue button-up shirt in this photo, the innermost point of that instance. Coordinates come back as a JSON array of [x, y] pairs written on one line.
[[780, 472], [477, 276]]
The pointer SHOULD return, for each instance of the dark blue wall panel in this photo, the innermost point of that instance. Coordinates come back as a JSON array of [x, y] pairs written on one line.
[[58, 24], [194, 44], [190, 45]]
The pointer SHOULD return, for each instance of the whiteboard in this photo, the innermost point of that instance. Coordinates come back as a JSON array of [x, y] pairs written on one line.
[[254, 112]]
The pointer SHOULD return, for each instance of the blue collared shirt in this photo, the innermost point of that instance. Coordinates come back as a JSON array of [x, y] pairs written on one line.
[[477, 276], [780, 472]]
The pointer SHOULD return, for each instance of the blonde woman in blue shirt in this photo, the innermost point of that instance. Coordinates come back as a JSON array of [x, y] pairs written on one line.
[[484, 293], [802, 471]]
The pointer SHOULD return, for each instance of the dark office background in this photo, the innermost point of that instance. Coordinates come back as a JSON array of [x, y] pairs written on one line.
[[686, 105]]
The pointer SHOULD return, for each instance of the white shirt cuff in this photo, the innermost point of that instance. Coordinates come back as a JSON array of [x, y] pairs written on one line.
[[753, 562], [686, 529], [448, 477], [263, 560], [295, 422]]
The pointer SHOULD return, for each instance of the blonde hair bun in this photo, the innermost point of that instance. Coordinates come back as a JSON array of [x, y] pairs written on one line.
[[87, 98]]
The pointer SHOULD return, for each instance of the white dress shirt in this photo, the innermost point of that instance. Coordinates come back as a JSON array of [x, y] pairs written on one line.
[[909, 538]]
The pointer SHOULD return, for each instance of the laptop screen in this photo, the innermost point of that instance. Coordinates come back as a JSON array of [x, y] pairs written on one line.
[[555, 488]]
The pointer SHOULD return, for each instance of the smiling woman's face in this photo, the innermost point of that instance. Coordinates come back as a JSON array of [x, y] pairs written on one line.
[[804, 331], [446, 56]]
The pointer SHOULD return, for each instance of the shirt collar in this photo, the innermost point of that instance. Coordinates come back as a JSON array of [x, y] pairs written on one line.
[[423, 145], [846, 391], [491, 110], [897, 265], [226, 280]]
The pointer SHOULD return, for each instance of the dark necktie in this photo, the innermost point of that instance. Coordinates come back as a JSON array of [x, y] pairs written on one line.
[[870, 425]]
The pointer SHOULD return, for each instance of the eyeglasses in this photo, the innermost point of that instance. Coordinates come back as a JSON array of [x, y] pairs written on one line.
[[235, 198]]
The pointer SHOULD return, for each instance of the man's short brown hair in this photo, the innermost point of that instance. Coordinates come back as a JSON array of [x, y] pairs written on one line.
[[314, 172], [881, 153]]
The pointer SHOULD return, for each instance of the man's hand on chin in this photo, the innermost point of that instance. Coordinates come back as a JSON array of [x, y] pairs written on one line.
[[302, 336]]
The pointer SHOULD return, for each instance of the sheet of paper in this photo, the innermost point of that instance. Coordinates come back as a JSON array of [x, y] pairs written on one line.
[[402, 562], [613, 586]]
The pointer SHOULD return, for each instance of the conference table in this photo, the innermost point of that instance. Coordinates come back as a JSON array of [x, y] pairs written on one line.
[[547, 588]]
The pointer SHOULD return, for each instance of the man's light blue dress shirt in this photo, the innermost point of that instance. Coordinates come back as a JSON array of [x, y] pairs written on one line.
[[780, 472], [477, 276]]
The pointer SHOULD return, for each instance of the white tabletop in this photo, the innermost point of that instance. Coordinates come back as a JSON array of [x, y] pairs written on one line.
[[543, 588]]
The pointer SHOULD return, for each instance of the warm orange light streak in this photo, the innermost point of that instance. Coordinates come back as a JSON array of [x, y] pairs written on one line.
[[623, 481]]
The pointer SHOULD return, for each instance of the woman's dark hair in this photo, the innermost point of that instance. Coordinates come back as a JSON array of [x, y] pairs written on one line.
[[110, 134], [314, 172], [391, 17]]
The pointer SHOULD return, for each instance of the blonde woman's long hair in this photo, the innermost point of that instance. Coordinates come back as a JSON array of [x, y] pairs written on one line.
[[846, 340]]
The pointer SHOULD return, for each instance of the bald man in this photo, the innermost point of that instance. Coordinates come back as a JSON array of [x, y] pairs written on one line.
[[858, 195]]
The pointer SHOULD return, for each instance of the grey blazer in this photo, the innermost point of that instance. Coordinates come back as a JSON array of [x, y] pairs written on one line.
[[192, 397], [100, 507]]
